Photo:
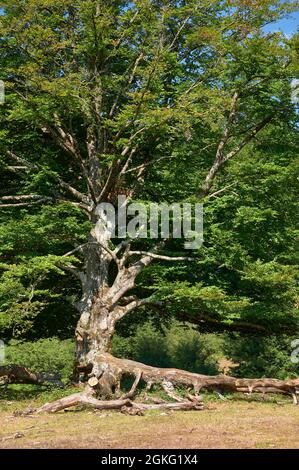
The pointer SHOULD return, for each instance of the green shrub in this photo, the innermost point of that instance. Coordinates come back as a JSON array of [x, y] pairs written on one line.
[[262, 356], [181, 346], [148, 345], [193, 351], [151, 346], [177, 346]]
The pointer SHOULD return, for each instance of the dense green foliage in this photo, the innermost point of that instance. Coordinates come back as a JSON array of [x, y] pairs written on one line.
[[165, 73], [206, 353]]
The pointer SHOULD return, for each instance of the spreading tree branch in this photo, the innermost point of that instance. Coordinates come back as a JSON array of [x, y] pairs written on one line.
[[221, 158], [64, 185]]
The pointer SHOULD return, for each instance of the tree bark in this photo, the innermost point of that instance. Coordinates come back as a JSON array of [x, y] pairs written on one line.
[[176, 377], [82, 399], [103, 301]]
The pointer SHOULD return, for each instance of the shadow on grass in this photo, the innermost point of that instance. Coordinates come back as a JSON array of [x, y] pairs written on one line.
[[21, 393]]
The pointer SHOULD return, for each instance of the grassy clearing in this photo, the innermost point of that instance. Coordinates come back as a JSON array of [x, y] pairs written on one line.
[[234, 423]]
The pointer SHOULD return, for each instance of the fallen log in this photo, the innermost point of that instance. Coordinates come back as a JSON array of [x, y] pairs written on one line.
[[185, 405], [106, 372], [15, 374], [18, 374], [109, 371]]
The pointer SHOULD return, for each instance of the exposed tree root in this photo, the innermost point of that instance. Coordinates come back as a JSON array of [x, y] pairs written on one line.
[[83, 399], [124, 404]]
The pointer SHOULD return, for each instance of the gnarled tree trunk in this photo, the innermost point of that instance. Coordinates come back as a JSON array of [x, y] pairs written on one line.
[[104, 302]]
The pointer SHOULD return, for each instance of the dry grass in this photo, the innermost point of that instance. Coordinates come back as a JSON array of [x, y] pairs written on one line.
[[230, 424]]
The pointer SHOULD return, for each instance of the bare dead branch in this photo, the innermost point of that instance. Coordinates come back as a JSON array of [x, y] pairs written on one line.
[[179, 32], [222, 190], [24, 204], [144, 165], [124, 310], [160, 257], [22, 197], [22, 161]]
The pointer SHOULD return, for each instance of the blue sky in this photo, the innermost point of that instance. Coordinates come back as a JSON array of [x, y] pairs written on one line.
[[288, 25]]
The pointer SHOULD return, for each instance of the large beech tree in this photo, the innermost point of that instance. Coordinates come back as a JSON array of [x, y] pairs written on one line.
[[100, 93]]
